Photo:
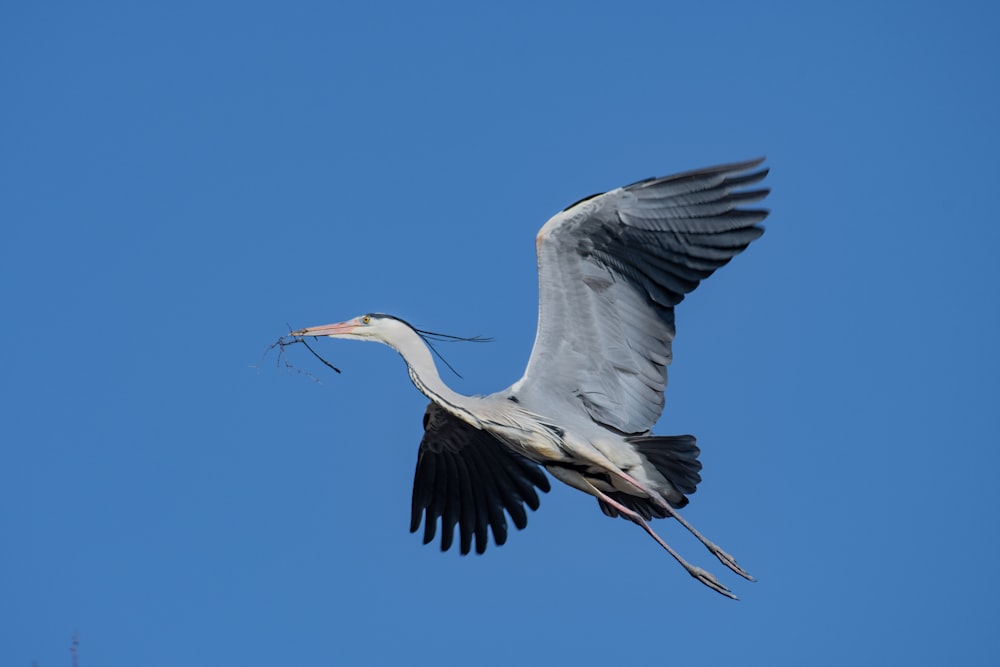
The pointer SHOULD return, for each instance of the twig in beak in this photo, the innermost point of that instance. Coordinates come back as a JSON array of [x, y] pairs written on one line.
[[284, 342], [314, 353]]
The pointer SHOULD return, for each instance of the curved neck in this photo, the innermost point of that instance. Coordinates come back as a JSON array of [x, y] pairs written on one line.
[[425, 377]]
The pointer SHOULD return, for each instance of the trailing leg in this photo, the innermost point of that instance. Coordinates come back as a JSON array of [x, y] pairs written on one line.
[[578, 481], [723, 557], [698, 573]]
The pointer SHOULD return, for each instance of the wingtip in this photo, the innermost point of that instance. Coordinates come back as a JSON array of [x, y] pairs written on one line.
[[743, 165], [734, 172]]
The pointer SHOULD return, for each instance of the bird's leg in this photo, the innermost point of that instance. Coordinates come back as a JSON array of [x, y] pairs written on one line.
[[716, 550], [723, 557], [698, 573]]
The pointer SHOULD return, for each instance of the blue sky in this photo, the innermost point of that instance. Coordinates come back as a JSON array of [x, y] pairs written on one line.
[[179, 181]]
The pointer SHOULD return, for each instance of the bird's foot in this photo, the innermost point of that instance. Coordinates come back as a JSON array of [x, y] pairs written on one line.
[[707, 578], [730, 562]]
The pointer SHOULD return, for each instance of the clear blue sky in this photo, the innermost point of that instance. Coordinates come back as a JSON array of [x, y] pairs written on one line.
[[178, 182]]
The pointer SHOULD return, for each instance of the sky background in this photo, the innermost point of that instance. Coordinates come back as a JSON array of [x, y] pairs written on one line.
[[180, 181]]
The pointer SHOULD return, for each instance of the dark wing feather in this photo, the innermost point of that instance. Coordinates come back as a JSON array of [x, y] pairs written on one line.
[[466, 477], [610, 271]]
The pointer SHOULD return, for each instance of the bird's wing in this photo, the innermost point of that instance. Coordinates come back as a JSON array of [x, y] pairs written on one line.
[[612, 267], [467, 477]]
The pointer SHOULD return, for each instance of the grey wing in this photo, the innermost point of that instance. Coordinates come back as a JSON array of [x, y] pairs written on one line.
[[467, 477], [611, 268]]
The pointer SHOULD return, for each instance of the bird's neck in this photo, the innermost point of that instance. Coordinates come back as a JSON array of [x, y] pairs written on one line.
[[425, 377]]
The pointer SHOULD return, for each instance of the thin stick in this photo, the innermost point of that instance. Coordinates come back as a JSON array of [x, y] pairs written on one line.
[[325, 362], [282, 360]]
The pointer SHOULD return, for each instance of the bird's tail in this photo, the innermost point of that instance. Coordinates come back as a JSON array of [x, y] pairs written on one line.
[[674, 456]]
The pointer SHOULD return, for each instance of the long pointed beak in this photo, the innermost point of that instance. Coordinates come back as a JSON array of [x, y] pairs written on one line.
[[338, 329]]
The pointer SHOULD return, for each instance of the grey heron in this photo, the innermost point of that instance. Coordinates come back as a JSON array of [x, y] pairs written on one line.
[[611, 269]]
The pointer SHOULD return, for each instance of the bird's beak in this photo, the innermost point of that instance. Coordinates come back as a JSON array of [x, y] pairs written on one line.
[[338, 329]]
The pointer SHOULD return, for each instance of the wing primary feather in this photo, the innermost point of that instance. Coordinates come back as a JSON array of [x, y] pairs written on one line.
[[532, 472], [705, 174], [748, 179], [430, 523], [467, 506], [732, 242], [525, 488], [492, 497], [478, 484], [423, 484], [439, 502], [508, 493], [452, 503]]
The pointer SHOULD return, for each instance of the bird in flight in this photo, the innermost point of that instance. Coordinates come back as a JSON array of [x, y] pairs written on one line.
[[611, 269]]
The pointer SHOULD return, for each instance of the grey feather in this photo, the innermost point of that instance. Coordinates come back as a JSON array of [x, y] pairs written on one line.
[[611, 270]]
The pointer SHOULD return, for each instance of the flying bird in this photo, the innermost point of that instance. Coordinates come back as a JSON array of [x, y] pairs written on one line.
[[611, 269]]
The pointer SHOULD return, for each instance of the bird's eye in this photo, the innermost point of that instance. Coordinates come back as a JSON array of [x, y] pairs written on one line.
[[366, 319]]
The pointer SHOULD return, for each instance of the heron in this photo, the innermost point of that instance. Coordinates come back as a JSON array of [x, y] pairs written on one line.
[[611, 269]]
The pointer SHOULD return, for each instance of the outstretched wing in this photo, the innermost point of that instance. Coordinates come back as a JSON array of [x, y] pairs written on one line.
[[611, 268], [467, 477]]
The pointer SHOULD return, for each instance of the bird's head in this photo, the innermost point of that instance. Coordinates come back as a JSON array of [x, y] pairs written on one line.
[[372, 326]]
